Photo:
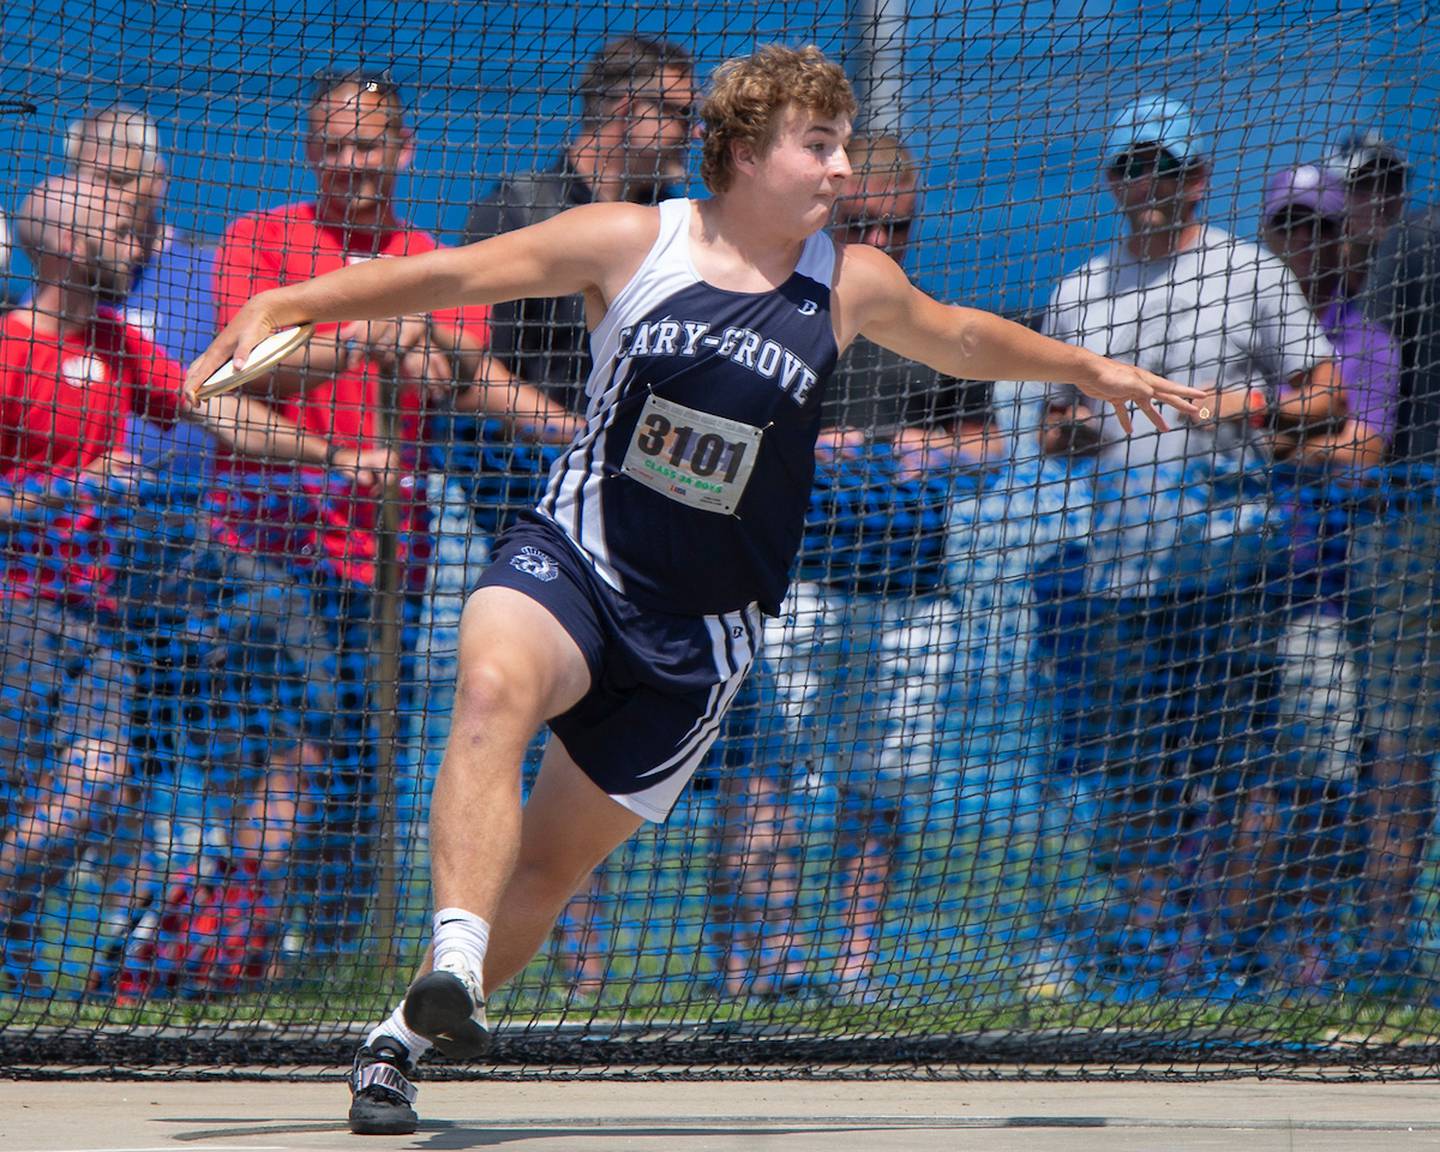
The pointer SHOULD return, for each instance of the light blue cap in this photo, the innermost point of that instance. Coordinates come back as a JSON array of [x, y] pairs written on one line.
[[1154, 120]]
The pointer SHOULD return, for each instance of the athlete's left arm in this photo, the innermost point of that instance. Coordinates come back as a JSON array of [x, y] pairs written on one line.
[[876, 299]]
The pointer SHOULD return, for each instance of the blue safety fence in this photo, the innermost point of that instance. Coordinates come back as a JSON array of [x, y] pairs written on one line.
[[943, 762]]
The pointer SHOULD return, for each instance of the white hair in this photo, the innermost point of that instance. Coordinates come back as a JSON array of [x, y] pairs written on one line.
[[119, 124]]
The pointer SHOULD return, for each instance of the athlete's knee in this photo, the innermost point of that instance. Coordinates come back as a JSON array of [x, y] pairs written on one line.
[[492, 687]]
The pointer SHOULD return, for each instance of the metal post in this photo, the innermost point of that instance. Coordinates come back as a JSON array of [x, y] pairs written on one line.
[[387, 620], [879, 30]]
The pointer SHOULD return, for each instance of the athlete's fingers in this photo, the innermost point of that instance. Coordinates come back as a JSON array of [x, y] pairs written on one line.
[[235, 343], [1122, 414], [1182, 397], [1148, 407], [208, 362]]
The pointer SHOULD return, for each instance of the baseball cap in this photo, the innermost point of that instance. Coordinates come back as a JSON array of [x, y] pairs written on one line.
[[1307, 186], [1367, 153], [1159, 122]]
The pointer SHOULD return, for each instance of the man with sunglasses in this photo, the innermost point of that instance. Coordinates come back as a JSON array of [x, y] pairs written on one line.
[[1164, 690], [1394, 267], [871, 384], [637, 109]]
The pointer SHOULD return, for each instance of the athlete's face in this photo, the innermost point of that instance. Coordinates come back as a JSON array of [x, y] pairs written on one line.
[[357, 146], [806, 169]]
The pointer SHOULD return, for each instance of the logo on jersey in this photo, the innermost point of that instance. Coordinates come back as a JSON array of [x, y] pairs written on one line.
[[808, 308], [147, 320], [84, 370], [742, 346], [534, 562]]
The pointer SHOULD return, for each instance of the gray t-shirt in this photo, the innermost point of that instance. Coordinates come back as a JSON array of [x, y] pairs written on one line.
[[1223, 313]]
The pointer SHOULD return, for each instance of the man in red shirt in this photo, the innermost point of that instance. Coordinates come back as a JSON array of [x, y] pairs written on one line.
[[363, 387], [71, 374], [358, 144], [72, 371]]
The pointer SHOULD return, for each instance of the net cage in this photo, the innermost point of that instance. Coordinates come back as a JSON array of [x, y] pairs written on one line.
[[1066, 752]]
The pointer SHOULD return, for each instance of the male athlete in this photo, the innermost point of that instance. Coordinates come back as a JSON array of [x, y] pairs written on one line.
[[626, 609]]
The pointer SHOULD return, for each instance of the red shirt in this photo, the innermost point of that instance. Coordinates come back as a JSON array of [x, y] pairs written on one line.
[[63, 404], [287, 246]]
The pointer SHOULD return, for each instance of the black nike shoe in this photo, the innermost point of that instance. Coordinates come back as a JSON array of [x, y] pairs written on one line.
[[447, 1007], [381, 1096]]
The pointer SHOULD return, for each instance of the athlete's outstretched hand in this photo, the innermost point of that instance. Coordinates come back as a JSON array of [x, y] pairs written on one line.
[[1122, 385], [235, 342]]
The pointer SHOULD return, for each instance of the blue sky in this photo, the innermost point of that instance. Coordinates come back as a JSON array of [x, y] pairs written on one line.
[[1006, 102]]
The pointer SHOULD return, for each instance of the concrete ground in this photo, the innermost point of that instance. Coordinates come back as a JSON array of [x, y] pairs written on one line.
[[829, 1116]]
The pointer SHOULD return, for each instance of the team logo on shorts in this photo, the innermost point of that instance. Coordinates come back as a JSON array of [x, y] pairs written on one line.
[[534, 562]]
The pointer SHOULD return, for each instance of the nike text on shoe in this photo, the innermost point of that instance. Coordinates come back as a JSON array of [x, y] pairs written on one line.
[[447, 1007], [381, 1096]]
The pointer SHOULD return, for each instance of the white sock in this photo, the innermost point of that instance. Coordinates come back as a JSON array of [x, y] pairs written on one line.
[[395, 1028], [461, 939]]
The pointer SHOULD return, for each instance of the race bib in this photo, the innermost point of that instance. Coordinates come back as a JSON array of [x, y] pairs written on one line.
[[692, 457]]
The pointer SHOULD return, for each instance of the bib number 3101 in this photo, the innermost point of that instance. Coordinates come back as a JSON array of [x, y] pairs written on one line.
[[692, 457]]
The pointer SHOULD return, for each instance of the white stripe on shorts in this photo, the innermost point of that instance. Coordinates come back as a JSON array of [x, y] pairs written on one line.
[[733, 656]]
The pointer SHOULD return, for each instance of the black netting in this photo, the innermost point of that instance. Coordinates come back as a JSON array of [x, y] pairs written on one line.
[[1064, 752]]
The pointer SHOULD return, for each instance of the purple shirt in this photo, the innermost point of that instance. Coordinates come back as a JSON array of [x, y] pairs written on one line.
[[1369, 362]]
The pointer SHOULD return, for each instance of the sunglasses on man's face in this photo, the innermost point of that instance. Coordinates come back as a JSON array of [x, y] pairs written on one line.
[[669, 106], [1142, 165], [1304, 225], [894, 225]]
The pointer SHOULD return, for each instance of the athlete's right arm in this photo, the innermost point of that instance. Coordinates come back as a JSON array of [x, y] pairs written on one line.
[[593, 249]]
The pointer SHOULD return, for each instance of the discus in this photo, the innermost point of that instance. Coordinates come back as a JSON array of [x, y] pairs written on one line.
[[263, 359]]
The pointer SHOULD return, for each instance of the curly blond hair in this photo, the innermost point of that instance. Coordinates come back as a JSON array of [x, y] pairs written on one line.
[[748, 94]]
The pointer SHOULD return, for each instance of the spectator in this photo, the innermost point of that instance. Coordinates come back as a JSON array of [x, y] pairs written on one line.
[[73, 369], [1375, 176], [837, 639], [873, 385], [1305, 226], [1164, 691], [888, 635], [70, 372], [170, 299], [1302, 842], [340, 388], [637, 100], [358, 144], [1396, 275], [637, 112]]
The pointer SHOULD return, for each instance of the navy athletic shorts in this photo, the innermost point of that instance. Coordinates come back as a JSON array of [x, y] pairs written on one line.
[[660, 683]]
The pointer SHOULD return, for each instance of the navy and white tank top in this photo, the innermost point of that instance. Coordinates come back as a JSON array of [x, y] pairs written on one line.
[[688, 486]]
